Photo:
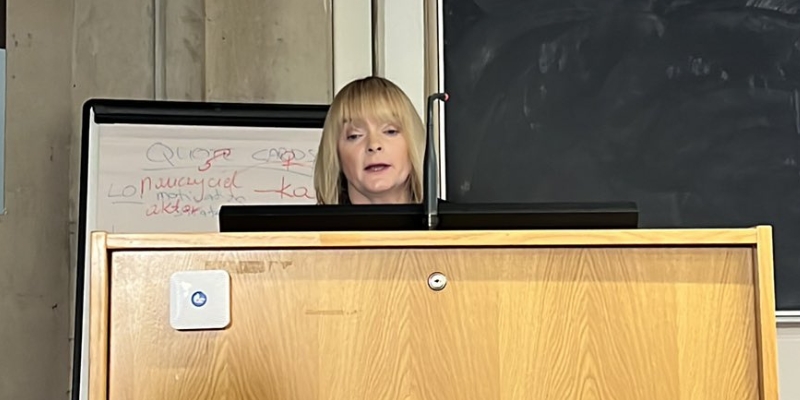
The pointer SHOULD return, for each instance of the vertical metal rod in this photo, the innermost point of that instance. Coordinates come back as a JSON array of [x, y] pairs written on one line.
[[440, 88], [378, 42]]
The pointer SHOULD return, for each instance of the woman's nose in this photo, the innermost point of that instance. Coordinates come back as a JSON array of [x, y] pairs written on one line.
[[374, 144]]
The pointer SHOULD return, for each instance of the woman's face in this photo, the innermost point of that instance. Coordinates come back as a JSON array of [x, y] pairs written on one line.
[[375, 161]]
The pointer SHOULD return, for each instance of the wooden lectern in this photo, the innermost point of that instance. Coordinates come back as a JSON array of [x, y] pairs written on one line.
[[595, 314]]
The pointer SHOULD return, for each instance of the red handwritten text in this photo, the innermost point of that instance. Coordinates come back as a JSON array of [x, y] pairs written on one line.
[[288, 160], [288, 191], [148, 184], [221, 153], [171, 207]]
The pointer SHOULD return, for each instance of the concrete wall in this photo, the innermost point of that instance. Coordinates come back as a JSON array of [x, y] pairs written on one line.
[[61, 53], [34, 245]]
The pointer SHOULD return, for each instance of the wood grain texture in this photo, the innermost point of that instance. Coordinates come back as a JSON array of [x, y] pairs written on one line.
[[765, 307], [100, 312], [512, 323], [667, 237]]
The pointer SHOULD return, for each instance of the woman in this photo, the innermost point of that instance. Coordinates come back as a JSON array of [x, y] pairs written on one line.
[[371, 148]]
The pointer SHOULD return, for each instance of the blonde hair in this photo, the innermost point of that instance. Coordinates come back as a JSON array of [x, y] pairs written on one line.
[[370, 97]]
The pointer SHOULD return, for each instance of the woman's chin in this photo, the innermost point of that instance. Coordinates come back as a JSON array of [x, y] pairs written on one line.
[[381, 188], [386, 195]]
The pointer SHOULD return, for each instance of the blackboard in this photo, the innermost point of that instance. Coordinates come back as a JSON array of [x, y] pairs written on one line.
[[689, 108]]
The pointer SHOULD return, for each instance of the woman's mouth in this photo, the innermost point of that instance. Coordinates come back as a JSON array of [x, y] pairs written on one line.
[[378, 167]]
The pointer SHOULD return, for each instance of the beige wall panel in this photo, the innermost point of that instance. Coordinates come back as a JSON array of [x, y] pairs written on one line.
[[269, 51], [113, 49], [184, 36], [789, 360], [113, 57], [34, 252]]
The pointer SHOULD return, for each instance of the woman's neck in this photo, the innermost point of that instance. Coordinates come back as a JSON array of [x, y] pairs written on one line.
[[400, 197]]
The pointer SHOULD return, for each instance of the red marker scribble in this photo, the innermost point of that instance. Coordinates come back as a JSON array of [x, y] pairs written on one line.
[[171, 207], [162, 183], [287, 190], [221, 153], [287, 159]]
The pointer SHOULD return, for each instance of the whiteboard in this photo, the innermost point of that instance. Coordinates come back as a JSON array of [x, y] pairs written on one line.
[[174, 178], [158, 166]]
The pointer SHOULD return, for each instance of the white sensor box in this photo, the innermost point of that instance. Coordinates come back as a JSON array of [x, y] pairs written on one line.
[[200, 300]]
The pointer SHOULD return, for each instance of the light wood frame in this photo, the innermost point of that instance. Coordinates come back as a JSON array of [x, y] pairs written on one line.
[[757, 240]]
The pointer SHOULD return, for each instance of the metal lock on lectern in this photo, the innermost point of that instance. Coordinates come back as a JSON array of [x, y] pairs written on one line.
[[437, 281]]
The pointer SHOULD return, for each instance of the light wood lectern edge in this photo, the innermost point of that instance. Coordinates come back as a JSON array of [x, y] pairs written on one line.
[[760, 237]]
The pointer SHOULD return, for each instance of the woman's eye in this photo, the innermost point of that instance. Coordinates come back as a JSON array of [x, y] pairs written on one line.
[[392, 131], [351, 136]]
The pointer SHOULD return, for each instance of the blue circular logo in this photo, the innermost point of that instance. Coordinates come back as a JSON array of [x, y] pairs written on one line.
[[199, 299]]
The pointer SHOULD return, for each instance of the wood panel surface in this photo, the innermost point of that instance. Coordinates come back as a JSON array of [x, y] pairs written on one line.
[[665, 237], [765, 314], [515, 323]]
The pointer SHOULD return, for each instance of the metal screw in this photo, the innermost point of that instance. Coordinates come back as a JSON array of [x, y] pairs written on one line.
[[437, 281]]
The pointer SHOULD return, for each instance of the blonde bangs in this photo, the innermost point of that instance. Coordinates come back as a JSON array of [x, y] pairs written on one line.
[[373, 101]]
